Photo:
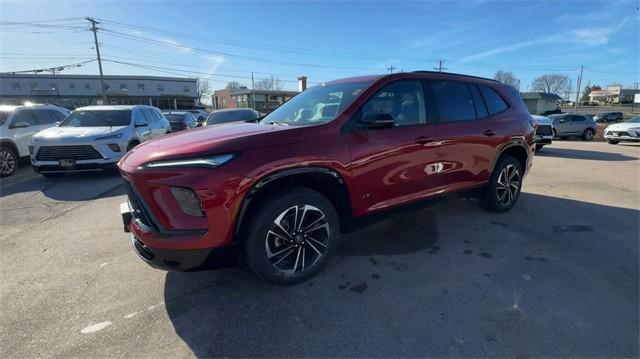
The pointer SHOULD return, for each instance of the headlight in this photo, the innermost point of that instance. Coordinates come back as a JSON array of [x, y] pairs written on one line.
[[205, 162], [109, 137]]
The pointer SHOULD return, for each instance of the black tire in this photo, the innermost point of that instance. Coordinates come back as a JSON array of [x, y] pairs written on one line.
[[132, 144], [587, 135], [539, 147], [265, 236], [497, 200], [613, 142], [8, 161]]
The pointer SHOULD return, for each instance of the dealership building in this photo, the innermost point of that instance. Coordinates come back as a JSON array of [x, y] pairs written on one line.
[[73, 91]]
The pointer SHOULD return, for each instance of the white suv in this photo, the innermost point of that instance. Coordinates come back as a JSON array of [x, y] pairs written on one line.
[[94, 138], [17, 125]]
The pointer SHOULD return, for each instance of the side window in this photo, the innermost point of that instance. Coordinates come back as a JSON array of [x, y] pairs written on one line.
[[24, 116], [45, 117], [453, 101], [575, 118], [481, 109], [149, 115], [403, 100], [494, 102], [139, 117], [59, 116]]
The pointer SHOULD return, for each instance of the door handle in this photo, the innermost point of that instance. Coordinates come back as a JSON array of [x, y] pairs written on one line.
[[423, 140], [489, 133]]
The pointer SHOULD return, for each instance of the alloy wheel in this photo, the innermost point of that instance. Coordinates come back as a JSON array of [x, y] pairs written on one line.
[[508, 185], [588, 134], [7, 162], [298, 239]]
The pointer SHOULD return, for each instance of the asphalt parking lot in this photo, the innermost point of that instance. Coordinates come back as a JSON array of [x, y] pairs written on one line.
[[557, 276]]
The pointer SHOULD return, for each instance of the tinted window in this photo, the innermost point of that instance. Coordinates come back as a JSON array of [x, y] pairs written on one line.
[[230, 116], [98, 118], [481, 109], [45, 117], [59, 116], [494, 102], [403, 100], [172, 117], [575, 118], [25, 116], [454, 101], [149, 115]]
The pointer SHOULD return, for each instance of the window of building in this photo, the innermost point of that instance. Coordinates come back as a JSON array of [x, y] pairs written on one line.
[[72, 85], [87, 86], [494, 102], [160, 87], [33, 85], [187, 89], [16, 86], [140, 87], [453, 101], [123, 87], [53, 86], [403, 100], [107, 87]]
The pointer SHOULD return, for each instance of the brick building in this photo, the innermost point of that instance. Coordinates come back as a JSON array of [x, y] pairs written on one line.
[[265, 100]]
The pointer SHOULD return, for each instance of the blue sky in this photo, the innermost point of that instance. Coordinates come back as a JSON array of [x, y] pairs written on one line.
[[225, 41]]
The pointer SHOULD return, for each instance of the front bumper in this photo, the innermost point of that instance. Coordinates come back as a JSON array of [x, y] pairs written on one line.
[[102, 156], [181, 260], [621, 136]]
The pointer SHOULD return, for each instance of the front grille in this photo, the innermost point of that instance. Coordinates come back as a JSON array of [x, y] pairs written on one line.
[[138, 211], [54, 153], [617, 133], [543, 130]]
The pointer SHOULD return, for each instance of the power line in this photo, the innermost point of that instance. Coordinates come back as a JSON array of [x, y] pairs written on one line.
[[49, 69]]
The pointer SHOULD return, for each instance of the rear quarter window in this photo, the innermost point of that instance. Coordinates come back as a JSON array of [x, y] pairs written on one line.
[[495, 103]]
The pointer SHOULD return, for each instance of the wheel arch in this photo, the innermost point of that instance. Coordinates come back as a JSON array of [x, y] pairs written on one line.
[[324, 180], [11, 145], [517, 149]]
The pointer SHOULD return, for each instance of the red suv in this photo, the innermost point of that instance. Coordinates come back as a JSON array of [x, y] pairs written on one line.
[[280, 190]]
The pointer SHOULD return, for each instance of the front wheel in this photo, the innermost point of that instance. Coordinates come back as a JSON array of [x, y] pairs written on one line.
[[8, 161], [587, 135], [290, 237], [503, 190], [613, 142]]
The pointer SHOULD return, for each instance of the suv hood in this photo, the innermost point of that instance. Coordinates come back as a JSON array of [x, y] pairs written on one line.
[[67, 132], [623, 126], [218, 139]]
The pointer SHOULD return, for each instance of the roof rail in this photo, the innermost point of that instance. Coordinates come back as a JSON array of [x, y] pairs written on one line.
[[454, 74]]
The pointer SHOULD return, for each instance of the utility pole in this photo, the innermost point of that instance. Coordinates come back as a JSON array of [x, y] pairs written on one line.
[[575, 109], [253, 92], [440, 68], [95, 39], [568, 94], [390, 68]]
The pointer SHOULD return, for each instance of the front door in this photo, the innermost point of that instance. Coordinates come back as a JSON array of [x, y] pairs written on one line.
[[390, 165]]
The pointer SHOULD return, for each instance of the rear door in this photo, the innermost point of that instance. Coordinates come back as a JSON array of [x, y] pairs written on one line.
[[578, 124], [469, 128], [392, 165]]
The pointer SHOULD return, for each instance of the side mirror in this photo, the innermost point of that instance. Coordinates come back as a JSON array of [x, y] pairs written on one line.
[[377, 121], [21, 124]]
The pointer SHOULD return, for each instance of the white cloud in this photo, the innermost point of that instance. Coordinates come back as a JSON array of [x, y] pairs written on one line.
[[177, 45]]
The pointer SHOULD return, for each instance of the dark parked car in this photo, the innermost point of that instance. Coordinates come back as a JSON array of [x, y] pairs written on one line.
[[232, 115], [567, 125], [609, 117], [200, 116], [180, 121], [279, 191]]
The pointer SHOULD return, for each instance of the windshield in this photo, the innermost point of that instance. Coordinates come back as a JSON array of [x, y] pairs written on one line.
[[317, 105], [230, 116], [98, 118], [3, 117], [635, 119], [172, 117]]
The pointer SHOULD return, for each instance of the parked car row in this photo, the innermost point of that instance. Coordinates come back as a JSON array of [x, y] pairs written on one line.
[[567, 125], [623, 132]]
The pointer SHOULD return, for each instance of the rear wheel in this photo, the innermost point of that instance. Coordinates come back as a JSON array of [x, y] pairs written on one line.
[[290, 237], [587, 135], [504, 186], [8, 161]]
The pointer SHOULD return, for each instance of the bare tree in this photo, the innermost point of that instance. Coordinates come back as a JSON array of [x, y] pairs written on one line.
[[203, 89], [233, 85], [506, 77], [270, 83], [551, 83]]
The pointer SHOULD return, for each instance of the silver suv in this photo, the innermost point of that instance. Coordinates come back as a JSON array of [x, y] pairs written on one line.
[[567, 125], [94, 138], [17, 125]]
